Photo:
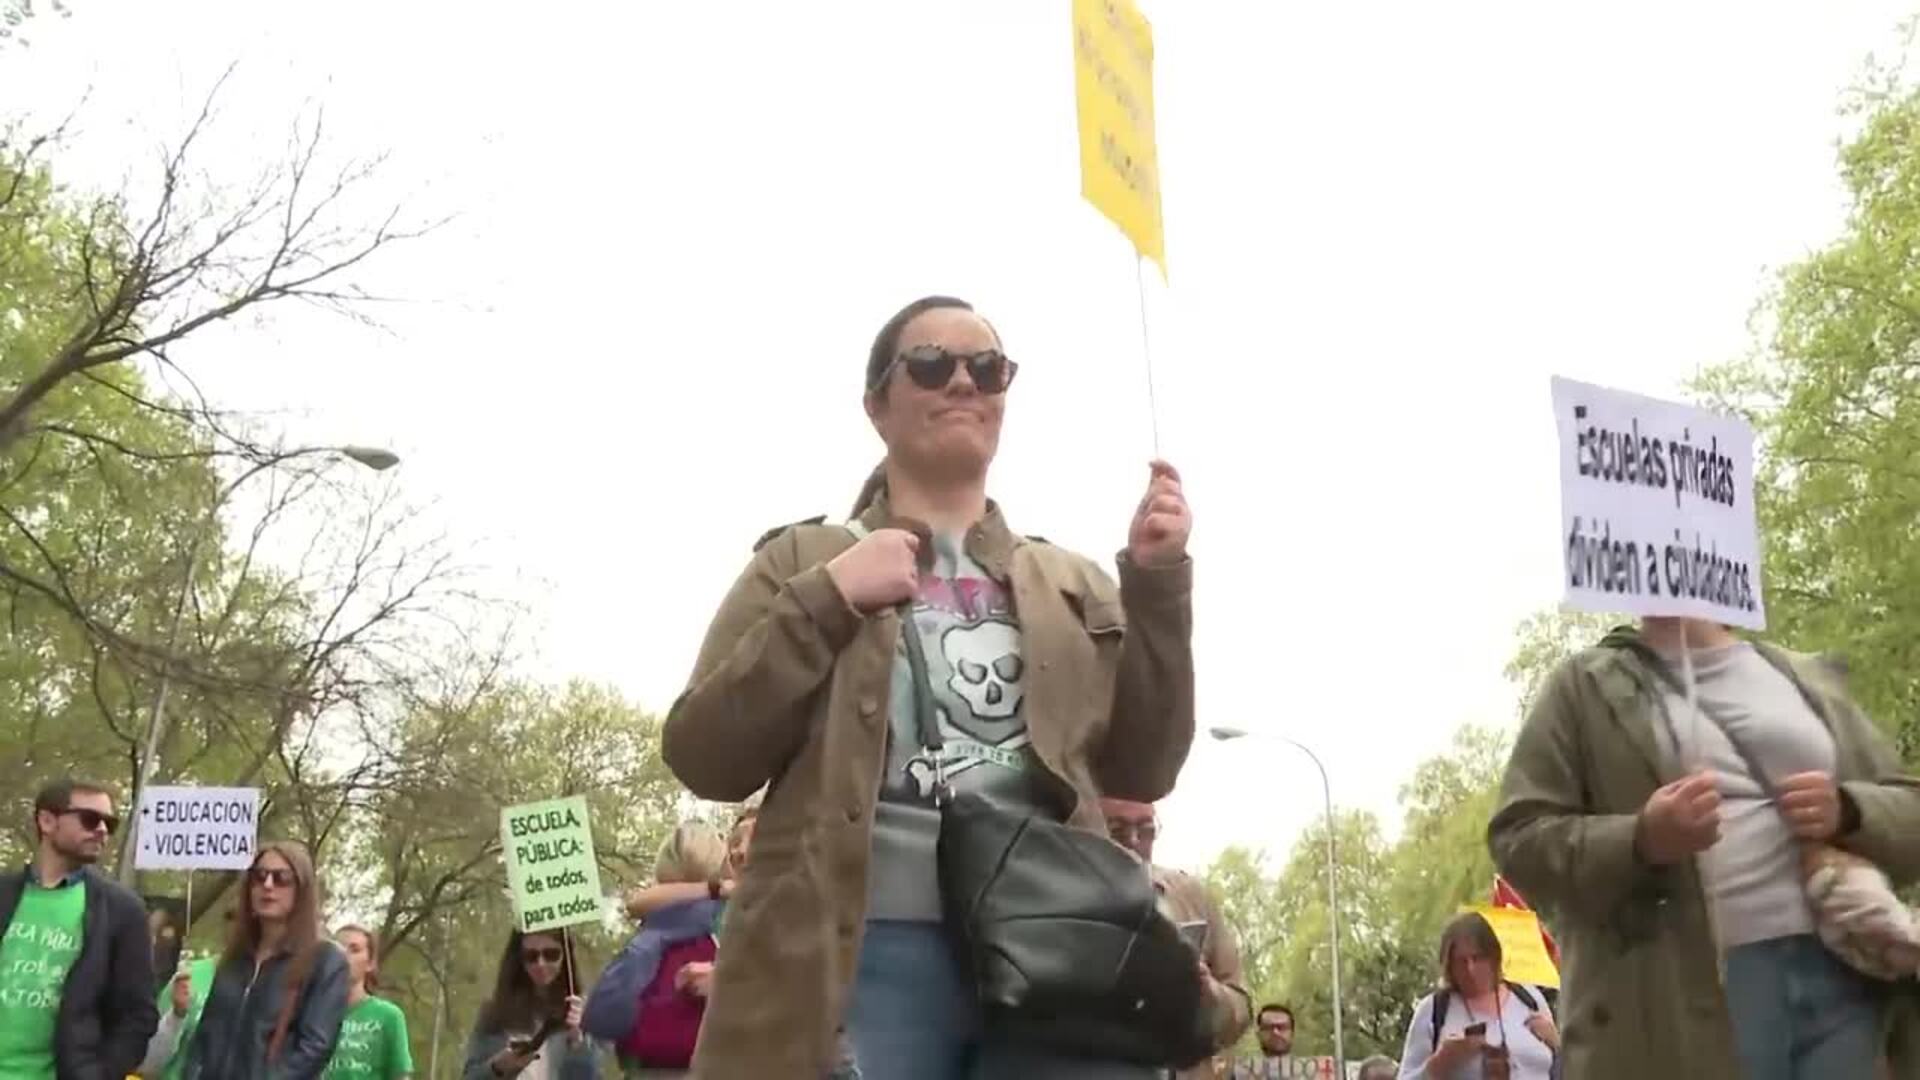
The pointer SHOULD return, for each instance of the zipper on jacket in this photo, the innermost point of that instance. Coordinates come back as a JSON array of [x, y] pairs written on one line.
[[226, 1061]]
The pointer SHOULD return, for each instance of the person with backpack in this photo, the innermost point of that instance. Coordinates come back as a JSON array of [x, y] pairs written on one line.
[[1477, 1024], [280, 991], [373, 1037], [881, 676], [530, 1027], [649, 1002]]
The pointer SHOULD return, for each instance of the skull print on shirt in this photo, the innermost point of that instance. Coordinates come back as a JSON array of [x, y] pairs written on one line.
[[977, 675]]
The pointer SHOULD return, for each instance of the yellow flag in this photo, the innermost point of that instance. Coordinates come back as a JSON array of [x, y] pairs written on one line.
[[1523, 953], [1113, 88]]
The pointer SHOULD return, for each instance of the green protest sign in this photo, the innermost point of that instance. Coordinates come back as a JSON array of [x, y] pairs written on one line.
[[548, 847]]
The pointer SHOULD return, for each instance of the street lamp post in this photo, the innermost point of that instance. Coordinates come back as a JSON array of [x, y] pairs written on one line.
[[1227, 734], [375, 458]]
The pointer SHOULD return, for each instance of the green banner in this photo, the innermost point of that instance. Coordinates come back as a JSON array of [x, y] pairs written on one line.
[[548, 847]]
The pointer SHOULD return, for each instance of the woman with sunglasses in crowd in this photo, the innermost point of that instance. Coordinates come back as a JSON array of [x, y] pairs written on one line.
[[1053, 687], [530, 1028], [373, 1037], [280, 991]]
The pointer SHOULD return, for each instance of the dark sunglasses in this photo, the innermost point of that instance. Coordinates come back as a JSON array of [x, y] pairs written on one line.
[[548, 954], [279, 879], [92, 820], [931, 368]]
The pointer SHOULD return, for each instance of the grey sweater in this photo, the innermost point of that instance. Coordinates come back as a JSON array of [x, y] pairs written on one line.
[[1753, 874]]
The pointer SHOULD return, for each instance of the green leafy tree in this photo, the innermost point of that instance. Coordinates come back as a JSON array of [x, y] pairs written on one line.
[[15, 15], [1835, 392], [426, 854], [1546, 638], [1285, 934], [1441, 860], [1394, 900], [132, 283]]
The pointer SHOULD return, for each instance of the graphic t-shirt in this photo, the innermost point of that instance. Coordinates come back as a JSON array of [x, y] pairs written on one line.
[[37, 952], [977, 670], [373, 1043]]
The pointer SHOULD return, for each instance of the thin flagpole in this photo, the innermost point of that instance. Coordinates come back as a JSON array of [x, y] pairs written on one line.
[[1697, 721], [1146, 350]]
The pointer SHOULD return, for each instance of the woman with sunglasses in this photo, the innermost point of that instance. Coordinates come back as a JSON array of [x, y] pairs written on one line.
[[530, 1028], [1052, 686], [280, 991], [373, 1037]]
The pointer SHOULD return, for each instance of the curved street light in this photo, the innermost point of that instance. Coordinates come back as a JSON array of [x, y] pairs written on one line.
[[372, 457], [1228, 734]]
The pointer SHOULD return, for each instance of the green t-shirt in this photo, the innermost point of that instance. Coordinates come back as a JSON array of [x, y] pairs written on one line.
[[35, 956], [199, 981], [373, 1043]]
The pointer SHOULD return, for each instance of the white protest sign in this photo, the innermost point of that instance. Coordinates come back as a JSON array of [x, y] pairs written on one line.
[[1656, 508], [551, 868], [197, 828]]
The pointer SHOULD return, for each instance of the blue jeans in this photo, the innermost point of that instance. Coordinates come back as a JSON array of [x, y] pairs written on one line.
[[1799, 1013], [913, 1018]]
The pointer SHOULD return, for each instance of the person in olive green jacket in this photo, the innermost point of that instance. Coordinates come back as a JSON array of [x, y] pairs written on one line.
[[1636, 821], [1053, 687]]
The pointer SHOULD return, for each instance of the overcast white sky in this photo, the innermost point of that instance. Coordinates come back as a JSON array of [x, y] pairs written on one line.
[[1388, 224]]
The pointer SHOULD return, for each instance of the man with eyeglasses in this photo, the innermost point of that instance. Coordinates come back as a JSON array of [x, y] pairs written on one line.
[[76, 965], [1274, 1029], [1135, 826]]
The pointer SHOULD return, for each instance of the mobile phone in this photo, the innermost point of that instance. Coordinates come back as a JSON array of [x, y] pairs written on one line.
[[1475, 1029], [547, 1031], [1195, 933]]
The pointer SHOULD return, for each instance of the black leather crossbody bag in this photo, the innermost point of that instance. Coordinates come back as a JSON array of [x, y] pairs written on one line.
[[1058, 929]]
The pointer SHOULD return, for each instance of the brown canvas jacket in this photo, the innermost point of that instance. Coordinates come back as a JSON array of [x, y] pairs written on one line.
[[1227, 995], [790, 691], [1641, 980]]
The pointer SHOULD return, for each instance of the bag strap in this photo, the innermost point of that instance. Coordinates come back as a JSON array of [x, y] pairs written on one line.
[[926, 721], [1661, 670], [1444, 997]]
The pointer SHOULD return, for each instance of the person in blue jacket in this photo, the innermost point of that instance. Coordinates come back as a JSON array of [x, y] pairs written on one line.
[[694, 855]]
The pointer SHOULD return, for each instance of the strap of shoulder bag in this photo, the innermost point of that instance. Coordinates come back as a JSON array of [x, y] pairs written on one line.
[[1665, 673], [925, 717]]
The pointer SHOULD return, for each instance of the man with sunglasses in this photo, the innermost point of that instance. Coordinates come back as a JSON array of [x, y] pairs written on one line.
[[76, 965], [1135, 826]]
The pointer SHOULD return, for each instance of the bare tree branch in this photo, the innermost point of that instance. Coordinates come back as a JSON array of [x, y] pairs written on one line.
[[143, 287]]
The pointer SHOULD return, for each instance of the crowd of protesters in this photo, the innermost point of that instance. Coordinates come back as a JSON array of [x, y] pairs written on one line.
[[889, 697]]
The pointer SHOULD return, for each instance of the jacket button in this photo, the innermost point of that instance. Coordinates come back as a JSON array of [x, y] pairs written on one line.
[[868, 708], [853, 813], [1602, 1016]]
